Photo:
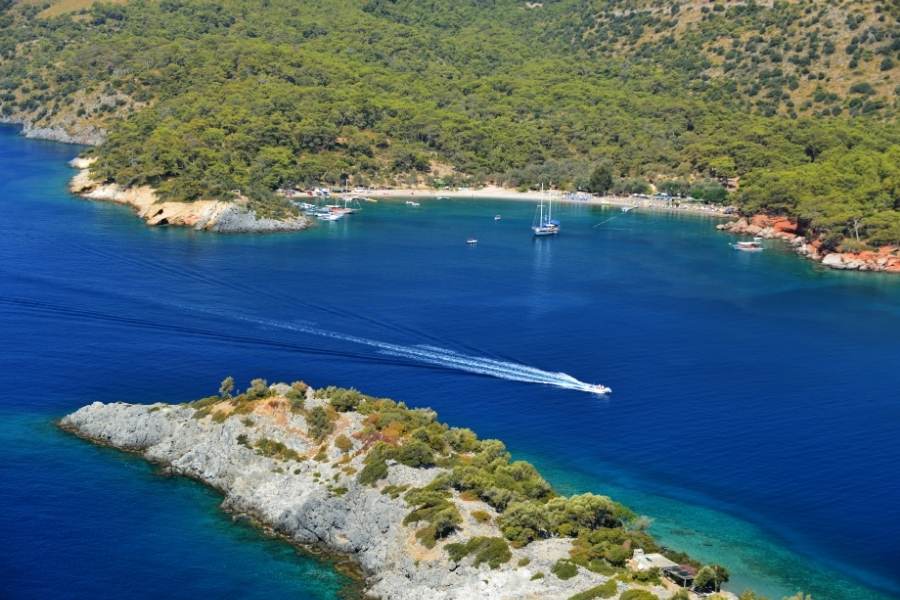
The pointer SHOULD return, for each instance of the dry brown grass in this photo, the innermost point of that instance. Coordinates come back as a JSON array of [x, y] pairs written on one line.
[[61, 7]]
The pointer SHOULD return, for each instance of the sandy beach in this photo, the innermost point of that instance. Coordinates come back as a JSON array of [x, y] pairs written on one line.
[[501, 193]]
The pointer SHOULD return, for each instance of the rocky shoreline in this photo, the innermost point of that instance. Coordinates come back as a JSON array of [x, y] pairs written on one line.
[[71, 131], [262, 455], [885, 260], [209, 215]]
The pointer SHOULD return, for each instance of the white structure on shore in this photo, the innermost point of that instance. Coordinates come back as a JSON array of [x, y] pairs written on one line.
[[644, 562]]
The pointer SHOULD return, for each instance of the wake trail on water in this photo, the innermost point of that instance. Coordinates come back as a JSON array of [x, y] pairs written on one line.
[[386, 352], [436, 356], [37, 307], [283, 298]]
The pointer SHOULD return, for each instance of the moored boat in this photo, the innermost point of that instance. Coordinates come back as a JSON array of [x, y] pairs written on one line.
[[412, 203], [751, 246], [544, 223]]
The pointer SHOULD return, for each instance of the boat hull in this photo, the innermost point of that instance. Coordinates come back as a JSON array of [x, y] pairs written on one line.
[[544, 231]]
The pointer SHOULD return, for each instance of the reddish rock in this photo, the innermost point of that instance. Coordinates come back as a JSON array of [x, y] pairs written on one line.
[[784, 225], [760, 221]]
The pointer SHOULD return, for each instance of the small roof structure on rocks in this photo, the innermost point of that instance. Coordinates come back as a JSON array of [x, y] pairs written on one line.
[[644, 562]]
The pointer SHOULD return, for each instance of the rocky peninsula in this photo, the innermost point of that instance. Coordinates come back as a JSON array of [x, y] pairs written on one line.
[[424, 510], [885, 259], [231, 216]]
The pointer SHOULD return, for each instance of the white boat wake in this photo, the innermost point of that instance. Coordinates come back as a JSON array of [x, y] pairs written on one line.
[[443, 357], [426, 354]]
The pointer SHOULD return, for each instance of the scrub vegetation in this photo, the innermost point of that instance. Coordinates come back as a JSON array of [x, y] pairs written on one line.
[[469, 476]]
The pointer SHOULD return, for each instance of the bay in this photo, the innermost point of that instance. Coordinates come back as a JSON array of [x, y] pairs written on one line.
[[753, 415]]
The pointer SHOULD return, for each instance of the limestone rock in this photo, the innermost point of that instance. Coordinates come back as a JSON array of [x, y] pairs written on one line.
[[322, 503]]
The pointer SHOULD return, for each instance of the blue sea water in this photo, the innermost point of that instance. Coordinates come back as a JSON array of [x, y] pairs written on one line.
[[754, 412]]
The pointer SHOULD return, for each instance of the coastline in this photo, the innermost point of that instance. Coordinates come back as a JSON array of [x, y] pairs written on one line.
[[233, 217], [503, 193], [342, 562], [208, 215], [883, 260], [259, 450], [75, 133]]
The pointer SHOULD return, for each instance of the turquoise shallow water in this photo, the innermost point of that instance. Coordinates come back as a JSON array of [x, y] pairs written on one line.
[[753, 413]]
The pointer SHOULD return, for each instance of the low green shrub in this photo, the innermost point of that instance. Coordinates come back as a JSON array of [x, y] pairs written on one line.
[[564, 569], [650, 576], [275, 449], [343, 443], [491, 550], [297, 396], [433, 507], [481, 516], [372, 472], [319, 423], [415, 454], [205, 402], [343, 400], [637, 595], [259, 388], [604, 590], [376, 463], [394, 491]]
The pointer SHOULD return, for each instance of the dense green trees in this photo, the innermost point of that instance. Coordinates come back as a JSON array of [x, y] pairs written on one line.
[[242, 97], [601, 180], [853, 191]]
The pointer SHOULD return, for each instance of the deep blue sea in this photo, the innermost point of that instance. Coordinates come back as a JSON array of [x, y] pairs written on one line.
[[755, 413]]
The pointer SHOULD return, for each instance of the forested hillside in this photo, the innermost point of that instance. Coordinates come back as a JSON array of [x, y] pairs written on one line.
[[208, 99]]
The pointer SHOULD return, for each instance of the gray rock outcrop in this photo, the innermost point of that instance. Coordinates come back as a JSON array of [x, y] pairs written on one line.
[[319, 500]]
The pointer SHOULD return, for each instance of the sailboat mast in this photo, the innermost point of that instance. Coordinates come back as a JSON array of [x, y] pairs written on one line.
[[550, 203], [541, 219]]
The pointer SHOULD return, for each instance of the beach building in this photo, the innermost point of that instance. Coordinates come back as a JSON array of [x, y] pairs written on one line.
[[681, 575], [644, 562]]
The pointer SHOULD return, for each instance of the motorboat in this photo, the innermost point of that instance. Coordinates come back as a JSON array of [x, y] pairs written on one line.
[[751, 246], [471, 241], [412, 203]]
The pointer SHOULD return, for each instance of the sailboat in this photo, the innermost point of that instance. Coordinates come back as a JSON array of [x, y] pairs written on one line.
[[544, 223]]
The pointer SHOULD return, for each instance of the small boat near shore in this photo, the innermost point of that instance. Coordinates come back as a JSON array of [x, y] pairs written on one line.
[[751, 246], [412, 203], [497, 217], [330, 216]]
